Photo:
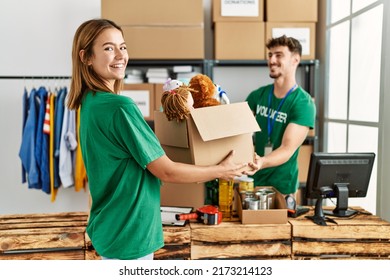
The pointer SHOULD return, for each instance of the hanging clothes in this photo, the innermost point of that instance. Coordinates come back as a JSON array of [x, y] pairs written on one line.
[[27, 148], [58, 118], [68, 144], [53, 190], [42, 142], [80, 172], [49, 152], [25, 107]]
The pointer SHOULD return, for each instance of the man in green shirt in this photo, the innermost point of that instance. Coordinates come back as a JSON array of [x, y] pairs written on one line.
[[285, 113]]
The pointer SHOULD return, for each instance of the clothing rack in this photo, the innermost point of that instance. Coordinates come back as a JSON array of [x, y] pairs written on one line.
[[35, 77]]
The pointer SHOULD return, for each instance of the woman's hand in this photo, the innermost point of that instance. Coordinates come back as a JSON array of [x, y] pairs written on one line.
[[231, 169], [255, 165]]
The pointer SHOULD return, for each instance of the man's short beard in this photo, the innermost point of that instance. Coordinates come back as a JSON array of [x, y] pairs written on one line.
[[275, 76]]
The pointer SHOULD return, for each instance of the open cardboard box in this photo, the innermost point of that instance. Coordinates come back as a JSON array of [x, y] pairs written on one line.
[[209, 134], [268, 216], [205, 138]]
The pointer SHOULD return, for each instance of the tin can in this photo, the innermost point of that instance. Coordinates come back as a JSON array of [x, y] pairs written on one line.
[[270, 199], [261, 195], [253, 204], [263, 205], [248, 202]]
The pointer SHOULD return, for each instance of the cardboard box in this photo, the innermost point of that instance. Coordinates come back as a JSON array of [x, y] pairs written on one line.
[[183, 195], [303, 162], [165, 42], [151, 27], [209, 134], [224, 10], [269, 216], [291, 10], [239, 40], [156, 12], [158, 92], [303, 32], [143, 96]]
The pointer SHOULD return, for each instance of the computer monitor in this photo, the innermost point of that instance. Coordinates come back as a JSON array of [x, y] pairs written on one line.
[[338, 175]]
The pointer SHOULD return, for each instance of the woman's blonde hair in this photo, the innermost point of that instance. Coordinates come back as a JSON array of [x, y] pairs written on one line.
[[84, 78], [174, 103]]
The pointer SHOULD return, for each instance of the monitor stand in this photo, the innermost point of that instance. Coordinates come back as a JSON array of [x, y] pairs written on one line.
[[341, 210], [319, 217]]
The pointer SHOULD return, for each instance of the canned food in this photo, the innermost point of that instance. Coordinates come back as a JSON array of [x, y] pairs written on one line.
[[262, 196], [271, 199], [254, 204], [248, 201], [263, 205]]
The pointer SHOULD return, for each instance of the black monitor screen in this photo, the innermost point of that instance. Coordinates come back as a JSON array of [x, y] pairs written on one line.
[[339, 175]]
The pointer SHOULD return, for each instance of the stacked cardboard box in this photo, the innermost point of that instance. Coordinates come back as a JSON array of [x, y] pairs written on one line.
[[144, 96], [238, 29], [155, 29], [294, 18]]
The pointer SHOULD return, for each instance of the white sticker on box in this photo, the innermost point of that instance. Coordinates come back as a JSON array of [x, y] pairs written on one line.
[[301, 34], [240, 8], [141, 98]]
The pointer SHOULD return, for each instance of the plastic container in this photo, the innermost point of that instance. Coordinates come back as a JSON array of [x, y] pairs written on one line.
[[246, 184], [226, 197]]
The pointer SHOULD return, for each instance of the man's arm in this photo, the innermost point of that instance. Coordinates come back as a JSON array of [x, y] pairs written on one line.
[[293, 138]]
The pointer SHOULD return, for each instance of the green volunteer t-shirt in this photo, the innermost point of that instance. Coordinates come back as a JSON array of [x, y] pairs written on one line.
[[298, 107], [117, 144]]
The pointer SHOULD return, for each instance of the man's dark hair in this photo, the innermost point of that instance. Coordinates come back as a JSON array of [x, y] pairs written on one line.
[[293, 44]]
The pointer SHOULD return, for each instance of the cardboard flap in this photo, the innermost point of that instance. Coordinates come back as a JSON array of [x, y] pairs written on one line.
[[222, 121], [170, 133]]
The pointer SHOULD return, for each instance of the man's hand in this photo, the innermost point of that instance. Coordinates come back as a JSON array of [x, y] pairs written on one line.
[[255, 165]]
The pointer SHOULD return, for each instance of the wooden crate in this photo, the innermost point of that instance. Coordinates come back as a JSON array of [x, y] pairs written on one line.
[[363, 236], [233, 240], [58, 236], [177, 245], [90, 252]]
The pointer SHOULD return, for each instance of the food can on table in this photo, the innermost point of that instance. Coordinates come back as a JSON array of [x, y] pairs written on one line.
[[270, 199], [253, 204]]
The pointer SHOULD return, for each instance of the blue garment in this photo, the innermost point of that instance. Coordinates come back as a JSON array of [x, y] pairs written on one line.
[[58, 118], [42, 142], [27, 148], [24, 119]]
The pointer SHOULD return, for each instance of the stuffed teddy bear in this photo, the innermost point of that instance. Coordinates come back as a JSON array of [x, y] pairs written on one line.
[[203, 91]]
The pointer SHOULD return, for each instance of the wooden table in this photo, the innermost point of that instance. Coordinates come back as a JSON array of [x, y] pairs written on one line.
[[59, 236], [233, 240], [363, 236], [62, 236]]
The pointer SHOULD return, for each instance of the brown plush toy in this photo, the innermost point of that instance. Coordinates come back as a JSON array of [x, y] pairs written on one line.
[[203, 91]]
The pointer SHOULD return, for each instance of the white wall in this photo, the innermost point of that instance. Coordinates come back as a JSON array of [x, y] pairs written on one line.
[[36, 39]]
